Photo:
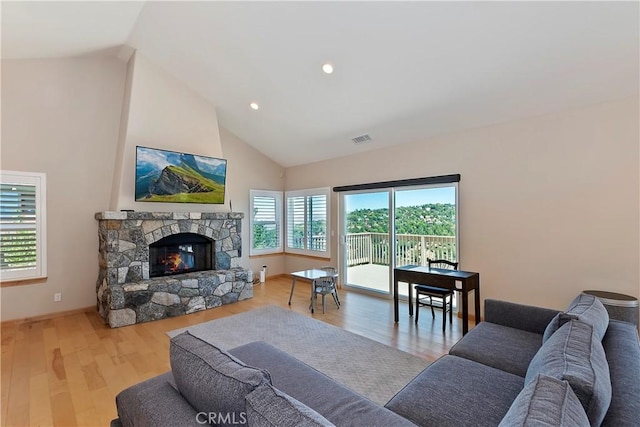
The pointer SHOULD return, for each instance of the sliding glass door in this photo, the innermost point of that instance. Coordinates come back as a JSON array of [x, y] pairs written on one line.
[[423, 225], [366, 242]]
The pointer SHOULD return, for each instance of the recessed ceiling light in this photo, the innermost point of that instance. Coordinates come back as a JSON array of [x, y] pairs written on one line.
[[254, 106], [327, 68]]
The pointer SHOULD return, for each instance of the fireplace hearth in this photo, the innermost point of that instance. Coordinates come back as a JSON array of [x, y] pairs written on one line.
[[154, 265]]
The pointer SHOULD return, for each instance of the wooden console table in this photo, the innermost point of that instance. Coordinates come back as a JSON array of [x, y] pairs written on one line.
[[441, 278]]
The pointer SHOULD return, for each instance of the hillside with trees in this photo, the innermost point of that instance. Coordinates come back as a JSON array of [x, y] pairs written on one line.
[[437, 219]]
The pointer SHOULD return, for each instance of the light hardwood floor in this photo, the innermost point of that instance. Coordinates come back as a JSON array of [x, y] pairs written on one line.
[[67, 370]]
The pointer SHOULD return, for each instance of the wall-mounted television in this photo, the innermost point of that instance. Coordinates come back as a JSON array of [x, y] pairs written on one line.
[[170, 176]]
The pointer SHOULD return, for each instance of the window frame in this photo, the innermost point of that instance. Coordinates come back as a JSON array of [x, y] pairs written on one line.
[[278, 196], [40, 270], [307, 193]]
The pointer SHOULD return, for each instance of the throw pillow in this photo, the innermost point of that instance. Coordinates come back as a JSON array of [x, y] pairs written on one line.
[[574, 354], [546, 401], [587, 309], [212, 380], [269, 407]]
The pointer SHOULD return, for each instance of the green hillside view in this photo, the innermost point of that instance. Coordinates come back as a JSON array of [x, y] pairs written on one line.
[[214, 195], [189, 172], [436, 219], [208, 197]]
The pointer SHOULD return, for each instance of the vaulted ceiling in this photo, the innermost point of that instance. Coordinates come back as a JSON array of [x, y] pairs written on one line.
[[404, 71]]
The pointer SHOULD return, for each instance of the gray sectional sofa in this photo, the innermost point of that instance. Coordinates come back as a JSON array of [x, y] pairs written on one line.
[[522, 366]]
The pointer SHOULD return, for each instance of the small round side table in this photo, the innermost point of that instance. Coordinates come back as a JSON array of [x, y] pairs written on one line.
[[619, 306]]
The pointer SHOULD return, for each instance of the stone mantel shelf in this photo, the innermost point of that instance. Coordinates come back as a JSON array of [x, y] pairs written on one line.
[[128, 215]]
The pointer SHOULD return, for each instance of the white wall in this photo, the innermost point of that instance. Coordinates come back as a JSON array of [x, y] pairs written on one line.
[[249, 169], [61, 117], [162, 113], [549, 206], [79, 120]]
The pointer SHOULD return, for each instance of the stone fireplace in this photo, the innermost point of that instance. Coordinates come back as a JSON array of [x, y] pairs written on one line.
[[162, 264]]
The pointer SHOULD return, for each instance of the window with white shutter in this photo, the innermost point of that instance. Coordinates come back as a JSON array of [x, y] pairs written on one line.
[[22, 226], [265, 222], [296, 229], [307, 213]]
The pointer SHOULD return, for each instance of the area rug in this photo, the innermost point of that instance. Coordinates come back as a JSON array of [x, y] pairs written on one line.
[[368, 367]]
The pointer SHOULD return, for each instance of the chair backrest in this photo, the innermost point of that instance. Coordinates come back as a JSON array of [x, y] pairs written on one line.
[[326, 284], [442, 263]]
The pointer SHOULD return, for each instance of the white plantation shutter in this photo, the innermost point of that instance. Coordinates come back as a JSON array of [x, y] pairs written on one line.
[[296, 229], [307, 221], [317, 220], [266, 222], [265, 210], [22, 237]]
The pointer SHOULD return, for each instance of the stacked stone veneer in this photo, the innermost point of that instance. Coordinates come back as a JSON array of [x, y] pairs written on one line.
[[126, 294]]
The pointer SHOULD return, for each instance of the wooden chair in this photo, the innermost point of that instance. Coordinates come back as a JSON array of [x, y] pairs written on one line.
[[433, 296], [324, 286]]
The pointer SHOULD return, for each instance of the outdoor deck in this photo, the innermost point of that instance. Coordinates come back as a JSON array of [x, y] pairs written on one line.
[[368, 257], [375, 277], [371, 276]]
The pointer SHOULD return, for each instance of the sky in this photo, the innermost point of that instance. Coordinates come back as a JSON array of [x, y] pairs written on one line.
[[403, 198]]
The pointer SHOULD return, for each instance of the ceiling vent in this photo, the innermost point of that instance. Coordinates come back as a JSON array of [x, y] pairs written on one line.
[[361, 139]]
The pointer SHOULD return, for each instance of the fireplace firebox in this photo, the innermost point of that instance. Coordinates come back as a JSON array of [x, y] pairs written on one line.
[[180, 253]]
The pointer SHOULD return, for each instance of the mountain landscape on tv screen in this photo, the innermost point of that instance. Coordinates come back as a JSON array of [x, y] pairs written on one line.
[[166, 176]]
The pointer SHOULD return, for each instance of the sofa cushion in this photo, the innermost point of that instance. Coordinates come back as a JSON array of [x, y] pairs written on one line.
[[210, 379], [574, 354], [337, 403], [623, 354], [454, 391], [502, 347], [270, 407], [585, 308], [154, 403], [546, 401], [518, 316]]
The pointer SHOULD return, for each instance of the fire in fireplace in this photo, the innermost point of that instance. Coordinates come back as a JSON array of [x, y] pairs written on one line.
[[180, 253]]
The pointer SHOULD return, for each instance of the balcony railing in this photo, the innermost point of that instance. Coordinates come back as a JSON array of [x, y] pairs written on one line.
[[373, 248], [315, 243]]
